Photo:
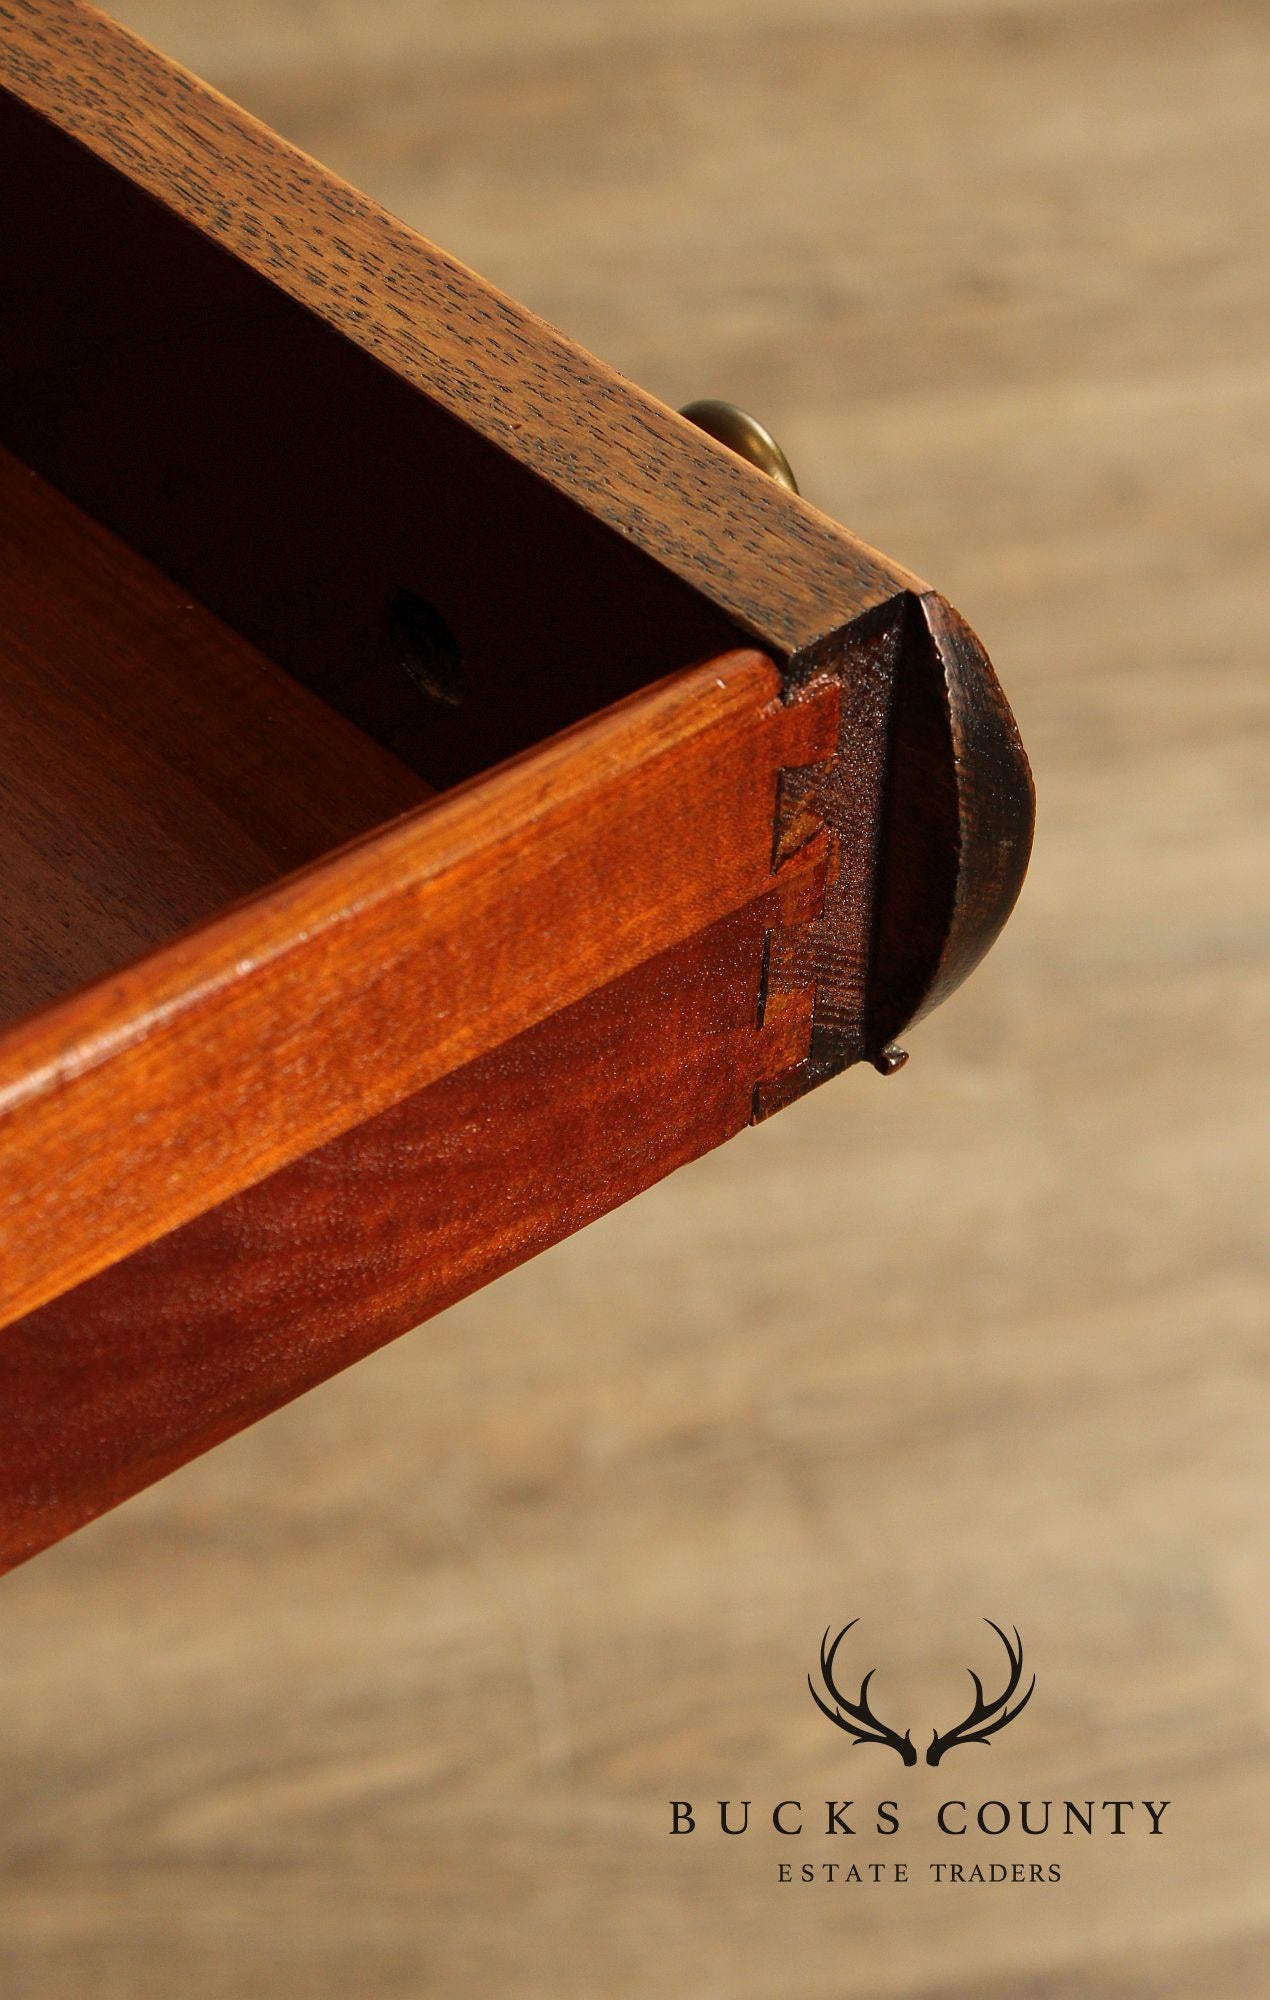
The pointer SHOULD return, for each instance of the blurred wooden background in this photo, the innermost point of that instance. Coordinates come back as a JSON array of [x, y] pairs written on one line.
[[387, 1697]]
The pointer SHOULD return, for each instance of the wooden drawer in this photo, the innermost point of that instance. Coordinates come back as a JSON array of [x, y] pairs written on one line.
[[443, 789]]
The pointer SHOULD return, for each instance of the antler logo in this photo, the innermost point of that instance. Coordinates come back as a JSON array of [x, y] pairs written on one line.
[[863, 1726], [856, 1717], [986, 1717]]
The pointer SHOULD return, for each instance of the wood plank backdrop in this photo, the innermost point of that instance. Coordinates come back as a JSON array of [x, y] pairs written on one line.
[[387, 1696]]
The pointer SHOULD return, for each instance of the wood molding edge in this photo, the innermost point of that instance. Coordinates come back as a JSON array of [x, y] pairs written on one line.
[[928, 808]]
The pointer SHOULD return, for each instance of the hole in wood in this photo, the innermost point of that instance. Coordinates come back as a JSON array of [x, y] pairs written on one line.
[[427, 649]]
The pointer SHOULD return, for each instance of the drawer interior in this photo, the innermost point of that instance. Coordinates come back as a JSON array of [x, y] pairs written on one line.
[[154, 767], [258, 592], [325, 506]]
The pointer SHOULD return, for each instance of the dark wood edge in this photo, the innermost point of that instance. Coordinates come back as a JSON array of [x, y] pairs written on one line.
[[930, 807], [958, 822], [785, 574]]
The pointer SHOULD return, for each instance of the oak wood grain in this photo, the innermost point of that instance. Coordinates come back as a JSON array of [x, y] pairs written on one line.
[[357, 413], [787, 574]]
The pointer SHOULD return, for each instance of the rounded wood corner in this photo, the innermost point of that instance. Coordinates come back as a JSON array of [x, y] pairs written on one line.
[[957, 823]]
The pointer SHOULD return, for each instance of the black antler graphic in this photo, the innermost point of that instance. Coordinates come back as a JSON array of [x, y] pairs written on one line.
[[986, 1717], [856, 1717]]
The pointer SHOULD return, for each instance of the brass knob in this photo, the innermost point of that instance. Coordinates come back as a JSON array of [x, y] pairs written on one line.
[[743, 434]]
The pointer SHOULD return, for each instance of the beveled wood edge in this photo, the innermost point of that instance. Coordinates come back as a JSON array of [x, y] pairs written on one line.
[[138, 1103]]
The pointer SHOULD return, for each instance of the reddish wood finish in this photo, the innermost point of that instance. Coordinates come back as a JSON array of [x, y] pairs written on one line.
[[297, 406], [233, 1164], [120, 1380], [153, 767], [231, 1051]]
